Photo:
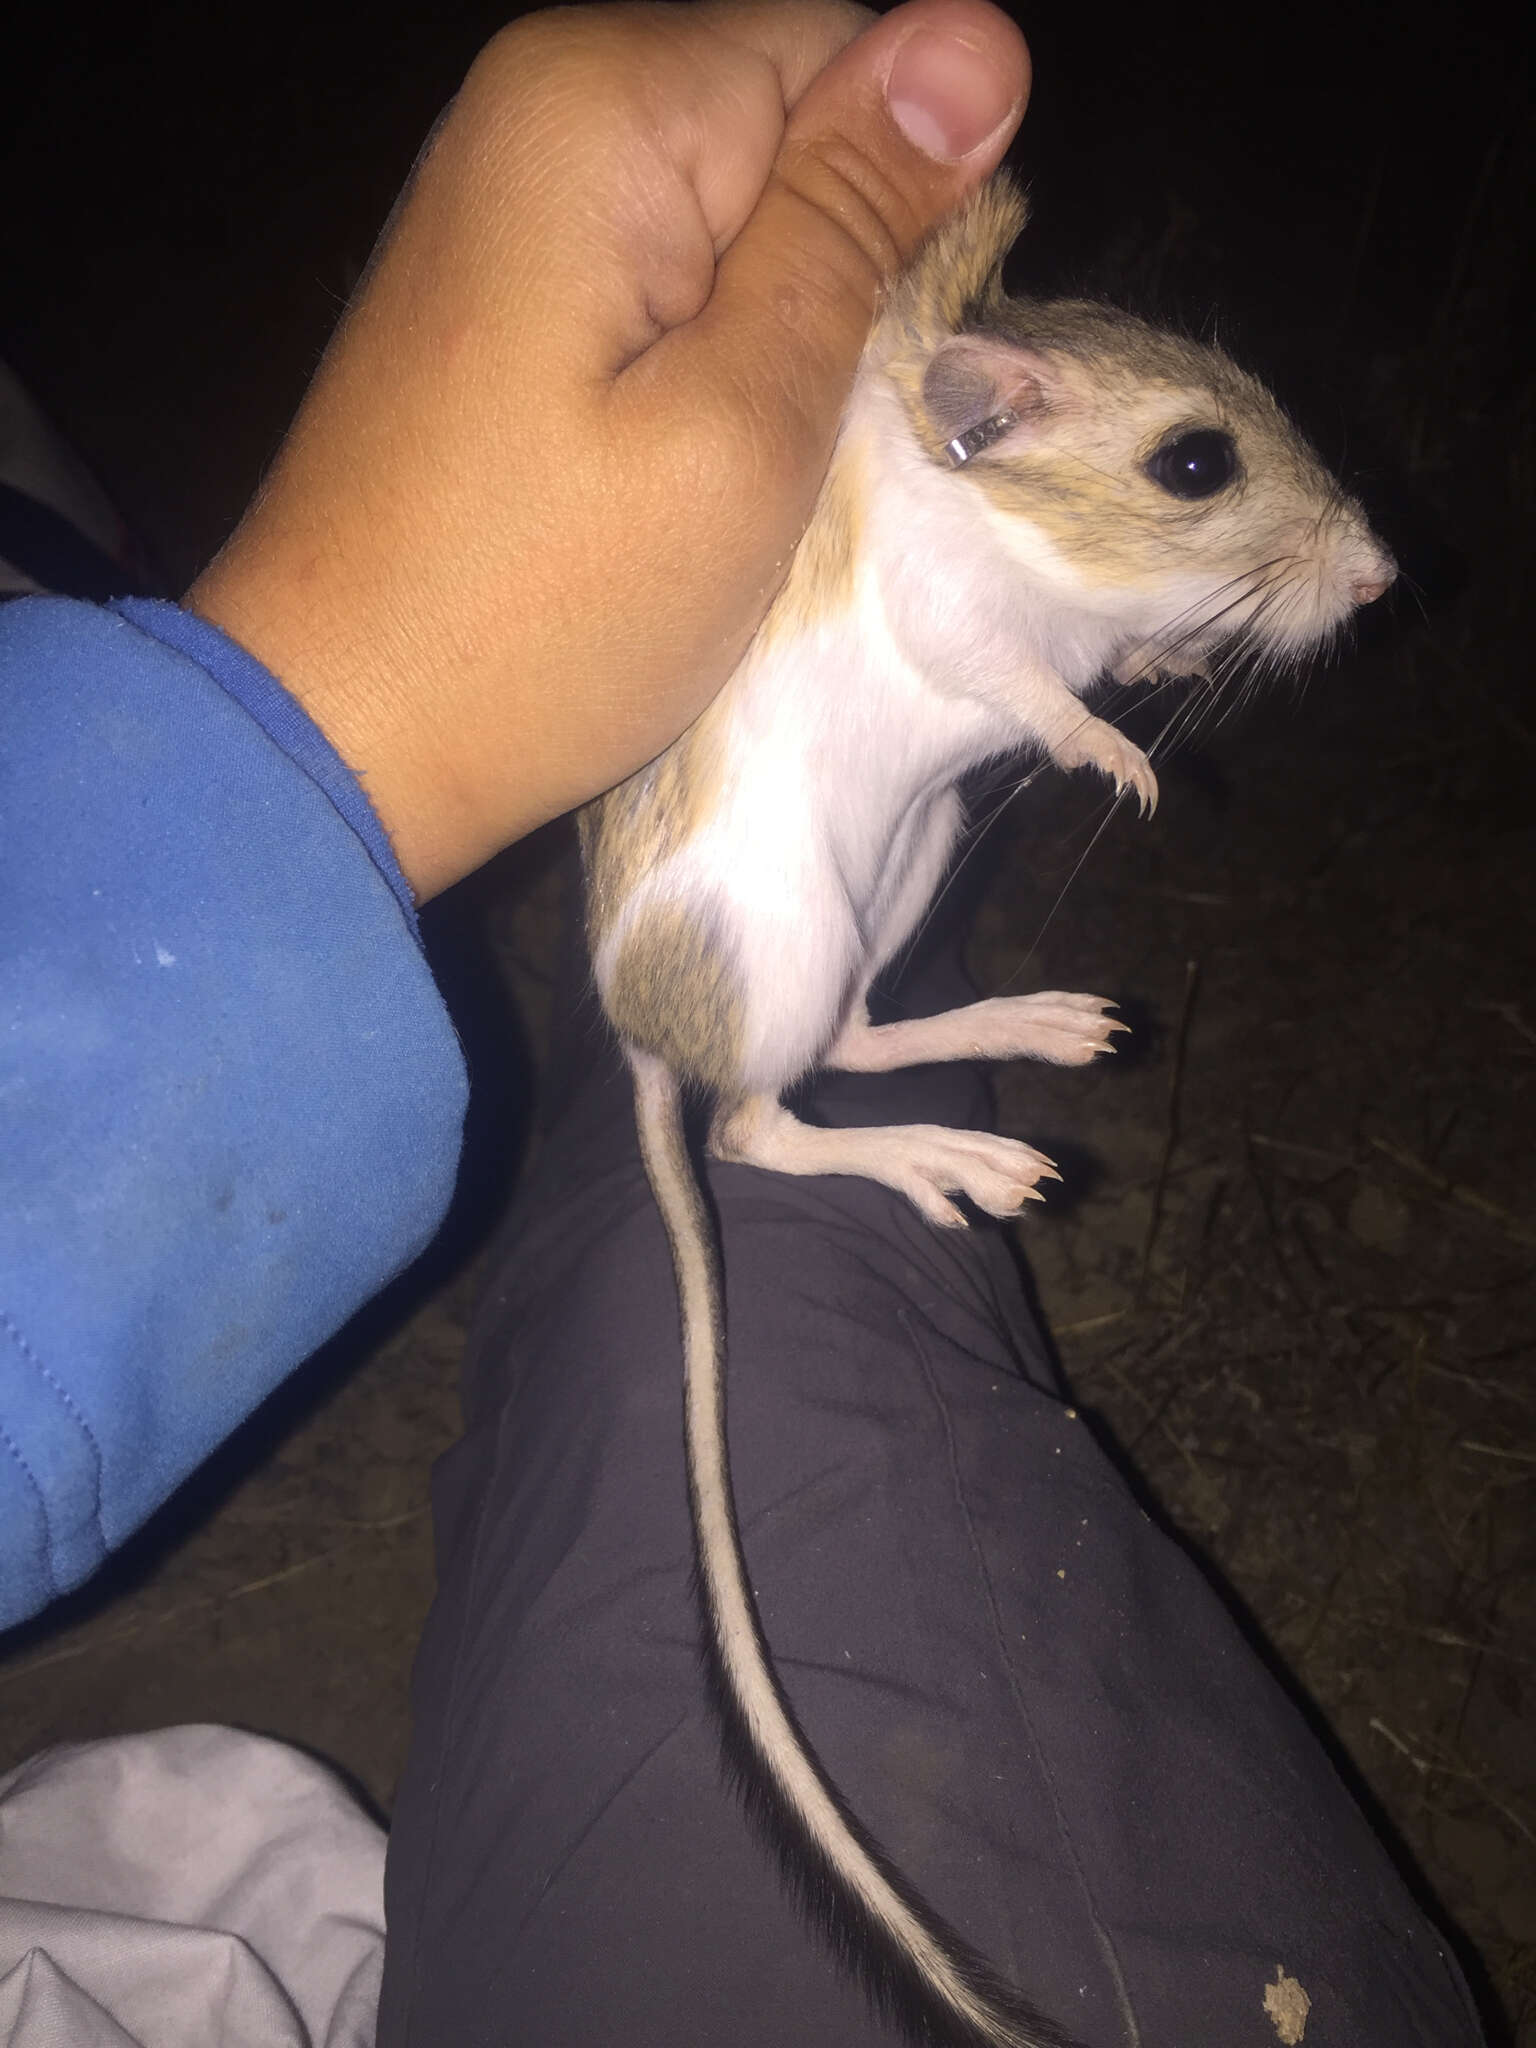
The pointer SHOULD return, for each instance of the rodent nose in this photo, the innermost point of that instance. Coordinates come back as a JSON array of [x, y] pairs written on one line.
[[1366, 589]]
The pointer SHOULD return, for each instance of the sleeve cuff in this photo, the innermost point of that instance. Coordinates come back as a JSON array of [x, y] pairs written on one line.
[[281, 717], [230, 1094]]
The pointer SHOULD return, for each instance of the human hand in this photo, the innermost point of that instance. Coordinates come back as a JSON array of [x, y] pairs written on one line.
[[558, 455]]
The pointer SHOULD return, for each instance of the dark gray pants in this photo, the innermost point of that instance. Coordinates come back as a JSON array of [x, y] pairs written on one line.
[[1025, 1689]]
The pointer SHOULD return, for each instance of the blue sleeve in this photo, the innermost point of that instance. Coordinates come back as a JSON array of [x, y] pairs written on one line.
[[230, 1096]]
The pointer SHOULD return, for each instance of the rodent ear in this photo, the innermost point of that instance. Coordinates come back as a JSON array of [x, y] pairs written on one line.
[[972, 378]]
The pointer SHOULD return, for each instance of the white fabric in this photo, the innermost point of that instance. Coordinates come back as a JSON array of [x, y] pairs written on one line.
[[194, 1888]]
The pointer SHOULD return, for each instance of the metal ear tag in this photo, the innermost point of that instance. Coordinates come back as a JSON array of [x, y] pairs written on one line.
[[975, 439]]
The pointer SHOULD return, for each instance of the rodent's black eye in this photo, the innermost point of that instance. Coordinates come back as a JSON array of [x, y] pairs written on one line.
[[1194, 465]]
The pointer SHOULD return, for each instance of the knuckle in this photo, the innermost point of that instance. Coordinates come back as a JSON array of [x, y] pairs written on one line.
[[578, 57], [868, 224]]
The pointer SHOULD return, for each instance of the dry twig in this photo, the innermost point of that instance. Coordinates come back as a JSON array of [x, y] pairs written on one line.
[[1171, 1134]]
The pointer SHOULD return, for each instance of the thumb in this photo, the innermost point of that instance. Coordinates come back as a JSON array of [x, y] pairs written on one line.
[[906, 121]]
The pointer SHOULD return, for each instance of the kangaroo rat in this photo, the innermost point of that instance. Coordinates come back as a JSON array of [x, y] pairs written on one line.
[[1025, 498]]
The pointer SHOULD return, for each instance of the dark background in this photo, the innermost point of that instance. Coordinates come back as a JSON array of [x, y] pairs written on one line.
[[190, 195], [1292, 1272]]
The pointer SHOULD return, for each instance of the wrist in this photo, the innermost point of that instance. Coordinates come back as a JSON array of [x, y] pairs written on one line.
[[374, 702]]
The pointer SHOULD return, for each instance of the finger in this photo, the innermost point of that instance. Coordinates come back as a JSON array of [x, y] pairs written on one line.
[[901, 125], [671, 114], [723, 137], [799, 38], [612, 152]]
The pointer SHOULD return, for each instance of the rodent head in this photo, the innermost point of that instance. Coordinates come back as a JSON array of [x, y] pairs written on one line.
[[1135, 471]]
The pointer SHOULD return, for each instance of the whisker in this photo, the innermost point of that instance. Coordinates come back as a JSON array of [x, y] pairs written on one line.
[[975, 834], [1193, 717], [1415, 590], [1227, 659], [1196, 618], [1259, 600], [1061, 895]]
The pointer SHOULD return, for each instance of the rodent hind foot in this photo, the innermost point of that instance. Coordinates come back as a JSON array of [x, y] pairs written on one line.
[[927, 1163]]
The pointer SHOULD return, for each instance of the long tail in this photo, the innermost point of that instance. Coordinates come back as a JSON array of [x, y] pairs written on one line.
[[917, 1971]]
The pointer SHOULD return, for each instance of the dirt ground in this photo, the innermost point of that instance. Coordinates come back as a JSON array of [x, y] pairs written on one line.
[[1292, 1271], [1297, 1285]]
